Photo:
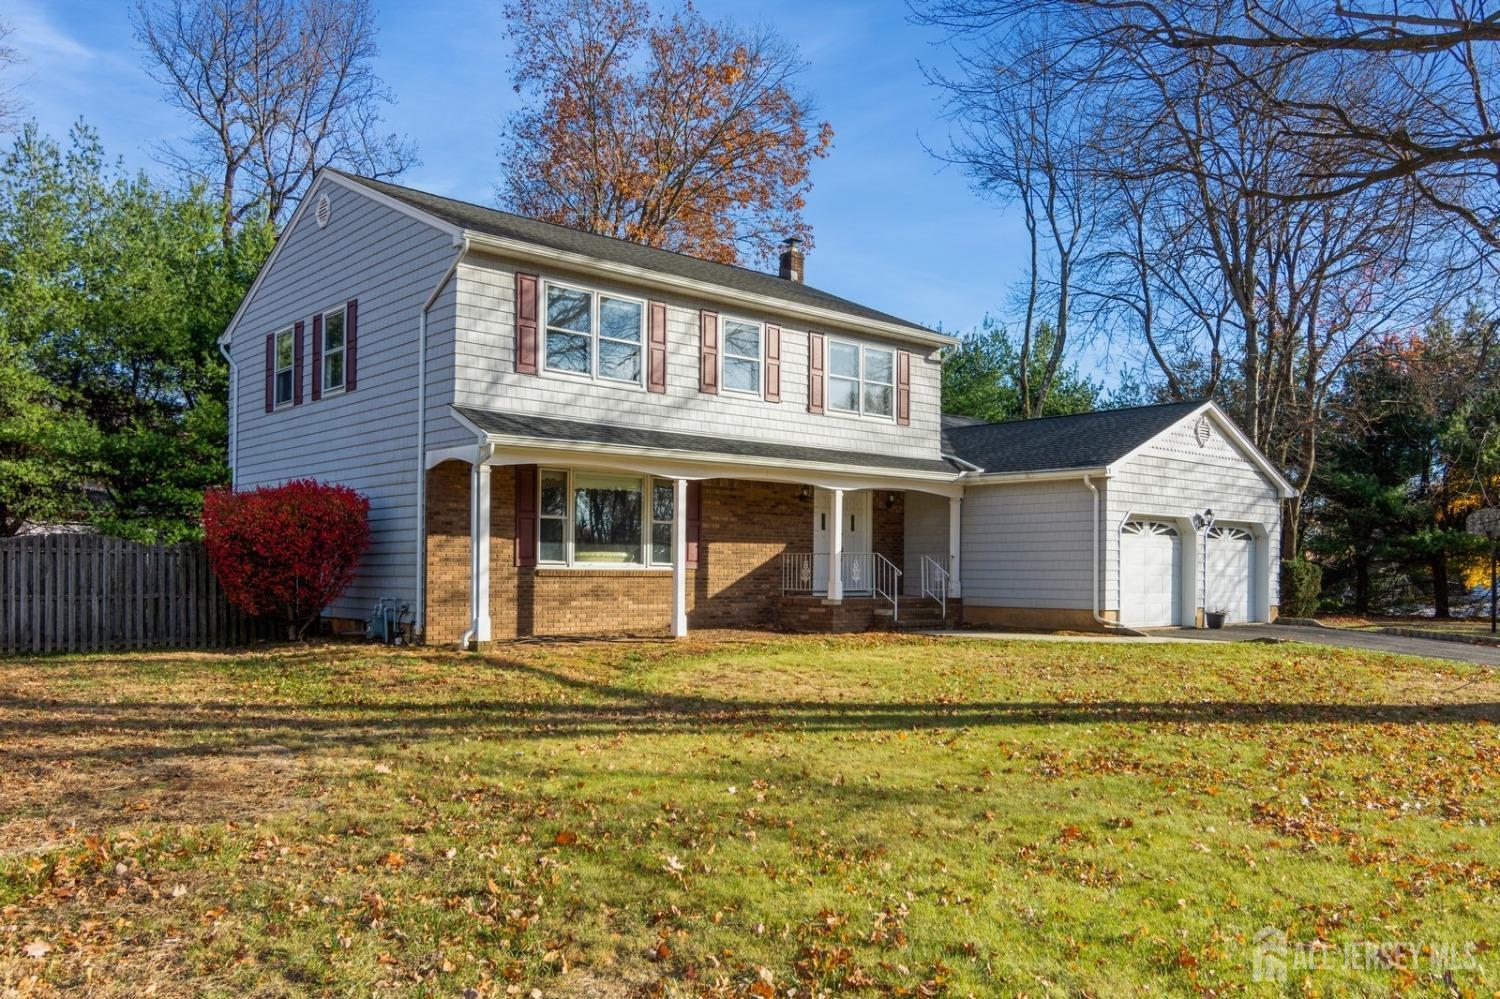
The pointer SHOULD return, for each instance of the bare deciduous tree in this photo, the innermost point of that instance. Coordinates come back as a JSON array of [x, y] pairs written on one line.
[[1026, 138], [1424, 112], [10, 104], [277, 89]]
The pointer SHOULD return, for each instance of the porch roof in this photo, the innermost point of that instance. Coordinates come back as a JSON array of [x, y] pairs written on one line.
[[527, 427]]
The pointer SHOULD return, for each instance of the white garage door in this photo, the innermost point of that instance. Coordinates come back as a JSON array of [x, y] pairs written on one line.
[[1230, 567], [1150, 574]]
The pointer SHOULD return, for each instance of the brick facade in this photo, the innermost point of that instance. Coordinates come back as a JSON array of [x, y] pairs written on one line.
[[745, 527]]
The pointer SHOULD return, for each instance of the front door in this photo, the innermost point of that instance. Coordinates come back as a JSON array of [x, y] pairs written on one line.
[[856, 539]]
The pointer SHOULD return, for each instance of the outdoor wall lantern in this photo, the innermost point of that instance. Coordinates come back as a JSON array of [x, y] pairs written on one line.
[[890, 501], [805, 493], [1203, 521]]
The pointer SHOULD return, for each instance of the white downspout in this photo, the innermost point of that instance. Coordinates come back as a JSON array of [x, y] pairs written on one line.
[[1094, 562], [419, 614], [234, 417]]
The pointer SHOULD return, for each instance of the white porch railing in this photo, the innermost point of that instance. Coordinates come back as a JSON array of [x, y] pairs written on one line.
[[861, 573], [935, 579]]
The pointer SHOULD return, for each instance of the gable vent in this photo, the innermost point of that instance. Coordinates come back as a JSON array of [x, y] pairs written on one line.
[[1202, 432], [324, 211]]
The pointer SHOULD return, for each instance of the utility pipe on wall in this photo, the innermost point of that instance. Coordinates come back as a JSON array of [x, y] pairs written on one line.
[[419, 616], [1088, 480]]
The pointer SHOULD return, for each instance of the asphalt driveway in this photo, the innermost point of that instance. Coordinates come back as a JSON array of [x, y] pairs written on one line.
[[1371, 641]]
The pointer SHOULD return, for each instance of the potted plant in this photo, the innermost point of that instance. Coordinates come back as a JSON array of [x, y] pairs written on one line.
[[1215, 618]]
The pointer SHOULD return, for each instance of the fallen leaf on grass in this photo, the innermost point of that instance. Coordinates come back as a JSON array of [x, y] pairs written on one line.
[[38, 949]]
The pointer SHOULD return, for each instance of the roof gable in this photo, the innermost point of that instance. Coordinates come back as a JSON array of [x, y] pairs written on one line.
[[1085, 441]]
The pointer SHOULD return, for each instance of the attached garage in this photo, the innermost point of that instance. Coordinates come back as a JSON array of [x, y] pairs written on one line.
[[1143, 517]]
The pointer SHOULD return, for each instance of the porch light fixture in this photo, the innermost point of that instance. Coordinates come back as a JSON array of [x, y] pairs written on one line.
[[805, 493], [1203, 521], [890, 501]]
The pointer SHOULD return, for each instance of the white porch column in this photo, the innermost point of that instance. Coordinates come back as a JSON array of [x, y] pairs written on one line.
[[955, 545], [479, 498], [679, 558], [836, 547]]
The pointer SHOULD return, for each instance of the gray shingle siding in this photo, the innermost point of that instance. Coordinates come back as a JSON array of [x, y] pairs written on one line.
[[485, 376], [1027, 545], [364, 439]]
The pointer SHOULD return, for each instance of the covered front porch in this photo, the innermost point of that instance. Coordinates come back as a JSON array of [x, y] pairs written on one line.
[[572, 540]]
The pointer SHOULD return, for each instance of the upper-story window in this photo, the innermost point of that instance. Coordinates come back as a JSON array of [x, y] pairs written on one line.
[[591, 333], [861, 379], [286, 359], [333, 350], [742, 353]]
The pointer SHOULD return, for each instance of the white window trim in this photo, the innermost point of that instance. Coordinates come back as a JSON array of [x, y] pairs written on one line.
[[651, 483], [828, 376], [291, 400], [570, 562], [324, 390], [760, 361], [594, 334]]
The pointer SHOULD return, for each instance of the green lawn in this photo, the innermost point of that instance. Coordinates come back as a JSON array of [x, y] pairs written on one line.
[[751, 816]]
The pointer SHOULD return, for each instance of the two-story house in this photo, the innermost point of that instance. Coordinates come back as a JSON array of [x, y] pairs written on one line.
[[563, 433]]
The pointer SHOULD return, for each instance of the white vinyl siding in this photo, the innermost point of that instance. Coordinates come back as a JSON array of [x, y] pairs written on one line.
[[925, 532], [1027, 545]]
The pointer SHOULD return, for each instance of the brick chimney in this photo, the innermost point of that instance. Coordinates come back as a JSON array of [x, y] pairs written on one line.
[[791, 259]]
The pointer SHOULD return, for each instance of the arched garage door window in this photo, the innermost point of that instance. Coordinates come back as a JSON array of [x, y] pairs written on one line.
[[1150, 573]]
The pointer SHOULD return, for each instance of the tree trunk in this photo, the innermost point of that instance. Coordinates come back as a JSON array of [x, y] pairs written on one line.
[[1439, 564], [1361, 584]]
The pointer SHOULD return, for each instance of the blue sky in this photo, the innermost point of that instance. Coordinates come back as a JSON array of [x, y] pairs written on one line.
[[894, 229]]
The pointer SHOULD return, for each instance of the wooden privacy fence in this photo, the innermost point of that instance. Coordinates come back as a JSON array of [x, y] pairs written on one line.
[[82, 592]]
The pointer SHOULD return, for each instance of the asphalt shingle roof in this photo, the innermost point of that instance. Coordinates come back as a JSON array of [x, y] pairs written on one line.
[[1058, 443], [494, 222], [545, 428]]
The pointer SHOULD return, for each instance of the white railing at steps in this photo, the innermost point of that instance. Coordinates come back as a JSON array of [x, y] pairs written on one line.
[[862, 572], [935, 583], [884, 579]]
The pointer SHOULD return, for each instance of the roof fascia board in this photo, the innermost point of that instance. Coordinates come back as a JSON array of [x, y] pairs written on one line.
[[1228, 427], [826, 317], [699, 465], [323, 176], [1045, 475]]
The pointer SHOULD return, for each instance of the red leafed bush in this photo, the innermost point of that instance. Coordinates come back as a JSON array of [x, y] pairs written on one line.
[[286, 551]]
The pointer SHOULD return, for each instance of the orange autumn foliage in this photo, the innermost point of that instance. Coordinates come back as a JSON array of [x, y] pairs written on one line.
[[663, 129]]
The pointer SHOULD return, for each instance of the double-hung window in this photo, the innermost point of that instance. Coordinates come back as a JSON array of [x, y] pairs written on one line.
[[861, 379], [591, 333], [742, 356], [333, 350], [286, 359], [591, 519]]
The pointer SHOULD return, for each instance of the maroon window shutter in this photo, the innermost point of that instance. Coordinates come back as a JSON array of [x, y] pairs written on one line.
[[708, 344], [526, 338], [351, 345], [903, 387], [773, 364], [815, 381], [297, 365], [270, 371], [317, 381], [526, 500], [694, 521], [656, 347]]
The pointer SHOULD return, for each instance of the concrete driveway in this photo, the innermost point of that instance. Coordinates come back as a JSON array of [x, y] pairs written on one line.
[[1370, 641]]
